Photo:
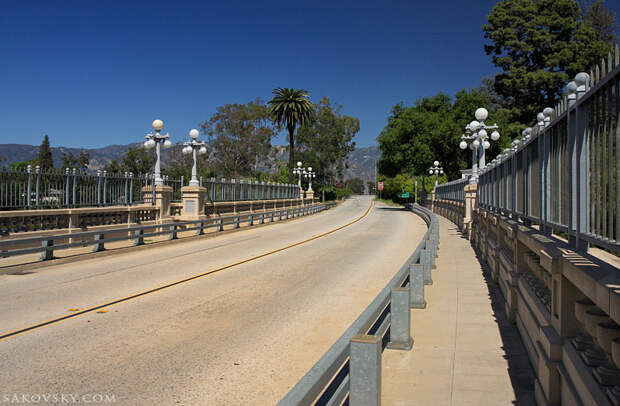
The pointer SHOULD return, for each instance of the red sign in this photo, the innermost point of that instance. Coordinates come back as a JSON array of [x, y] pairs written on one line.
[[380, 185]]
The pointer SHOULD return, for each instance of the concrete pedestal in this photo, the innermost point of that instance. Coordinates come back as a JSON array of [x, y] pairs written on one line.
[[163, 195], [193, 203]]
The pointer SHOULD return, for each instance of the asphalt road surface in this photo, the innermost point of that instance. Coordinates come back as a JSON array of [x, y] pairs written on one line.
[[240, 336]]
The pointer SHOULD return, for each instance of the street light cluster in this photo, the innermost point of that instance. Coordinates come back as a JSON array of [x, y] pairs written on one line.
[[477, 133], [306, 172], [193, 147], [437, 170]]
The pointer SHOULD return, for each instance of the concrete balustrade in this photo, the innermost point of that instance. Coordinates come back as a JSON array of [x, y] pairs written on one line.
[[565, 304]]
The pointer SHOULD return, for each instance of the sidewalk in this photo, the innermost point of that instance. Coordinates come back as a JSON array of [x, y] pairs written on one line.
[[465, 352]]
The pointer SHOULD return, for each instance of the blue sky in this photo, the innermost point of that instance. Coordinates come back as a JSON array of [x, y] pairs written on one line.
[[93, 73]]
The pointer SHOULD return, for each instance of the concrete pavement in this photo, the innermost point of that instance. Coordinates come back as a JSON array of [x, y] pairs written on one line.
[[245, 335], [465, 351]]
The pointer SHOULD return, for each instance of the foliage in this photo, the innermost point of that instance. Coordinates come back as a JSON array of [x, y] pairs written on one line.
[[241, 135], [538, 45], [601, 20], [326, 141], [23, 165], [356, 185], [136, 160], [44, 158], [431, 130], [290, 108], [72, 161]]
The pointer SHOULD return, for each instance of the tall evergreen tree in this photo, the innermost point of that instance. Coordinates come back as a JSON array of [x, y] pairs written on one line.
[[539, 45], [44, 159]]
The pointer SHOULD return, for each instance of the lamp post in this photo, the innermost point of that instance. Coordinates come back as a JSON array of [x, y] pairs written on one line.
[[298, 170], [155, 140], [309, 175], [436, 169], [194, 147], [478, 135]]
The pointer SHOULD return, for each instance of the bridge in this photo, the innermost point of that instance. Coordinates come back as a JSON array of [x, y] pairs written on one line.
[[499, 288]]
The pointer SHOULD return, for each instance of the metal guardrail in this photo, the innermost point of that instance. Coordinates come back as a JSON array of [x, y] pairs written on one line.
[[565, 175], [454, 190], [138, 234], [350, 370]]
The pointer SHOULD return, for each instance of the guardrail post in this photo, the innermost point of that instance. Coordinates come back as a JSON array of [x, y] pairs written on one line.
[[236, 221], [99, 245], [200, 230], [400, 322], [432, 247], [139, 234], [365, 370], [251, 220], [220, 226], [280, 215], [425, 261], [416, 285], [271, 217], [173, 232], [49, 250], [262, 218]]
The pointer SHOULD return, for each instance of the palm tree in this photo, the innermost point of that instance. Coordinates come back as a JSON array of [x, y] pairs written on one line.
[[291, 108]]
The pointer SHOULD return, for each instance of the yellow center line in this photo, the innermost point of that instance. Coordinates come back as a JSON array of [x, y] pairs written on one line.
[[179, 282]]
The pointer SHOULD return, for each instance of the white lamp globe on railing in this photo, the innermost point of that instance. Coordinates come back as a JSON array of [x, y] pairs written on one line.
[[155, 141], [194, 147], [309, 175]]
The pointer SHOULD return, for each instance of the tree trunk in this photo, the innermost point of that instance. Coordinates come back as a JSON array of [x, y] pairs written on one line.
[[291, 154]]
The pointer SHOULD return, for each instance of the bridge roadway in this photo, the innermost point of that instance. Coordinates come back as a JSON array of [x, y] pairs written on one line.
[[243, 335]]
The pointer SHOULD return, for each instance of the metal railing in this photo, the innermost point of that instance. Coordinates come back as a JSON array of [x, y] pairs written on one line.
[[222, 190], [348, 370], [35, 188], [564, 176], [454, 190], [49, 243]]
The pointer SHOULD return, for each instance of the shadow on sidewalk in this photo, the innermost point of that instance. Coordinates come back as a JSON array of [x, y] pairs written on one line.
[[519, 369]]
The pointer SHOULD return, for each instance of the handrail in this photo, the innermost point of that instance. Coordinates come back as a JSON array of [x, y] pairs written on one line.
[[327, 382]]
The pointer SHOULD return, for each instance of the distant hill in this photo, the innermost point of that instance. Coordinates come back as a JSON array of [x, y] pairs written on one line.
[[360, 162]]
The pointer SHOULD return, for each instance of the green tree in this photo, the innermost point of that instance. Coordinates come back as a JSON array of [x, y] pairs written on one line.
[[72, 161], [44, 159], [326, 140], [241, 135], [136, 160], [290, 108], [538, 45], [602, 21], [22, 165], [356, 185]]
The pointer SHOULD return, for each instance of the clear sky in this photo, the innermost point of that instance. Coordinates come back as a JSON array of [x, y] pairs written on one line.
[[93, 73]]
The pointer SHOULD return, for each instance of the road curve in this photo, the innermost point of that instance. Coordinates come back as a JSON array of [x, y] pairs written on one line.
[[244, 335]]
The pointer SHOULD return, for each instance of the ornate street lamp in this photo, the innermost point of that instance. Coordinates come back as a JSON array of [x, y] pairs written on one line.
[[298, 170], [436, 169], [194, 147], [155, 140], [309, 175], [478, 135]]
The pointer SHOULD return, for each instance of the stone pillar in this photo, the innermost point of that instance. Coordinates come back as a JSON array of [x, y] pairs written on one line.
[[193, 203], [163, 195], [470, 204]]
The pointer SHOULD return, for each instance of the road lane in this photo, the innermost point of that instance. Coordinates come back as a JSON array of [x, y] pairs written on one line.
[[241, 336]]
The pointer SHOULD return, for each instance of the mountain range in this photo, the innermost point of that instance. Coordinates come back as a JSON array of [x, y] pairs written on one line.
[[361, 162]]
